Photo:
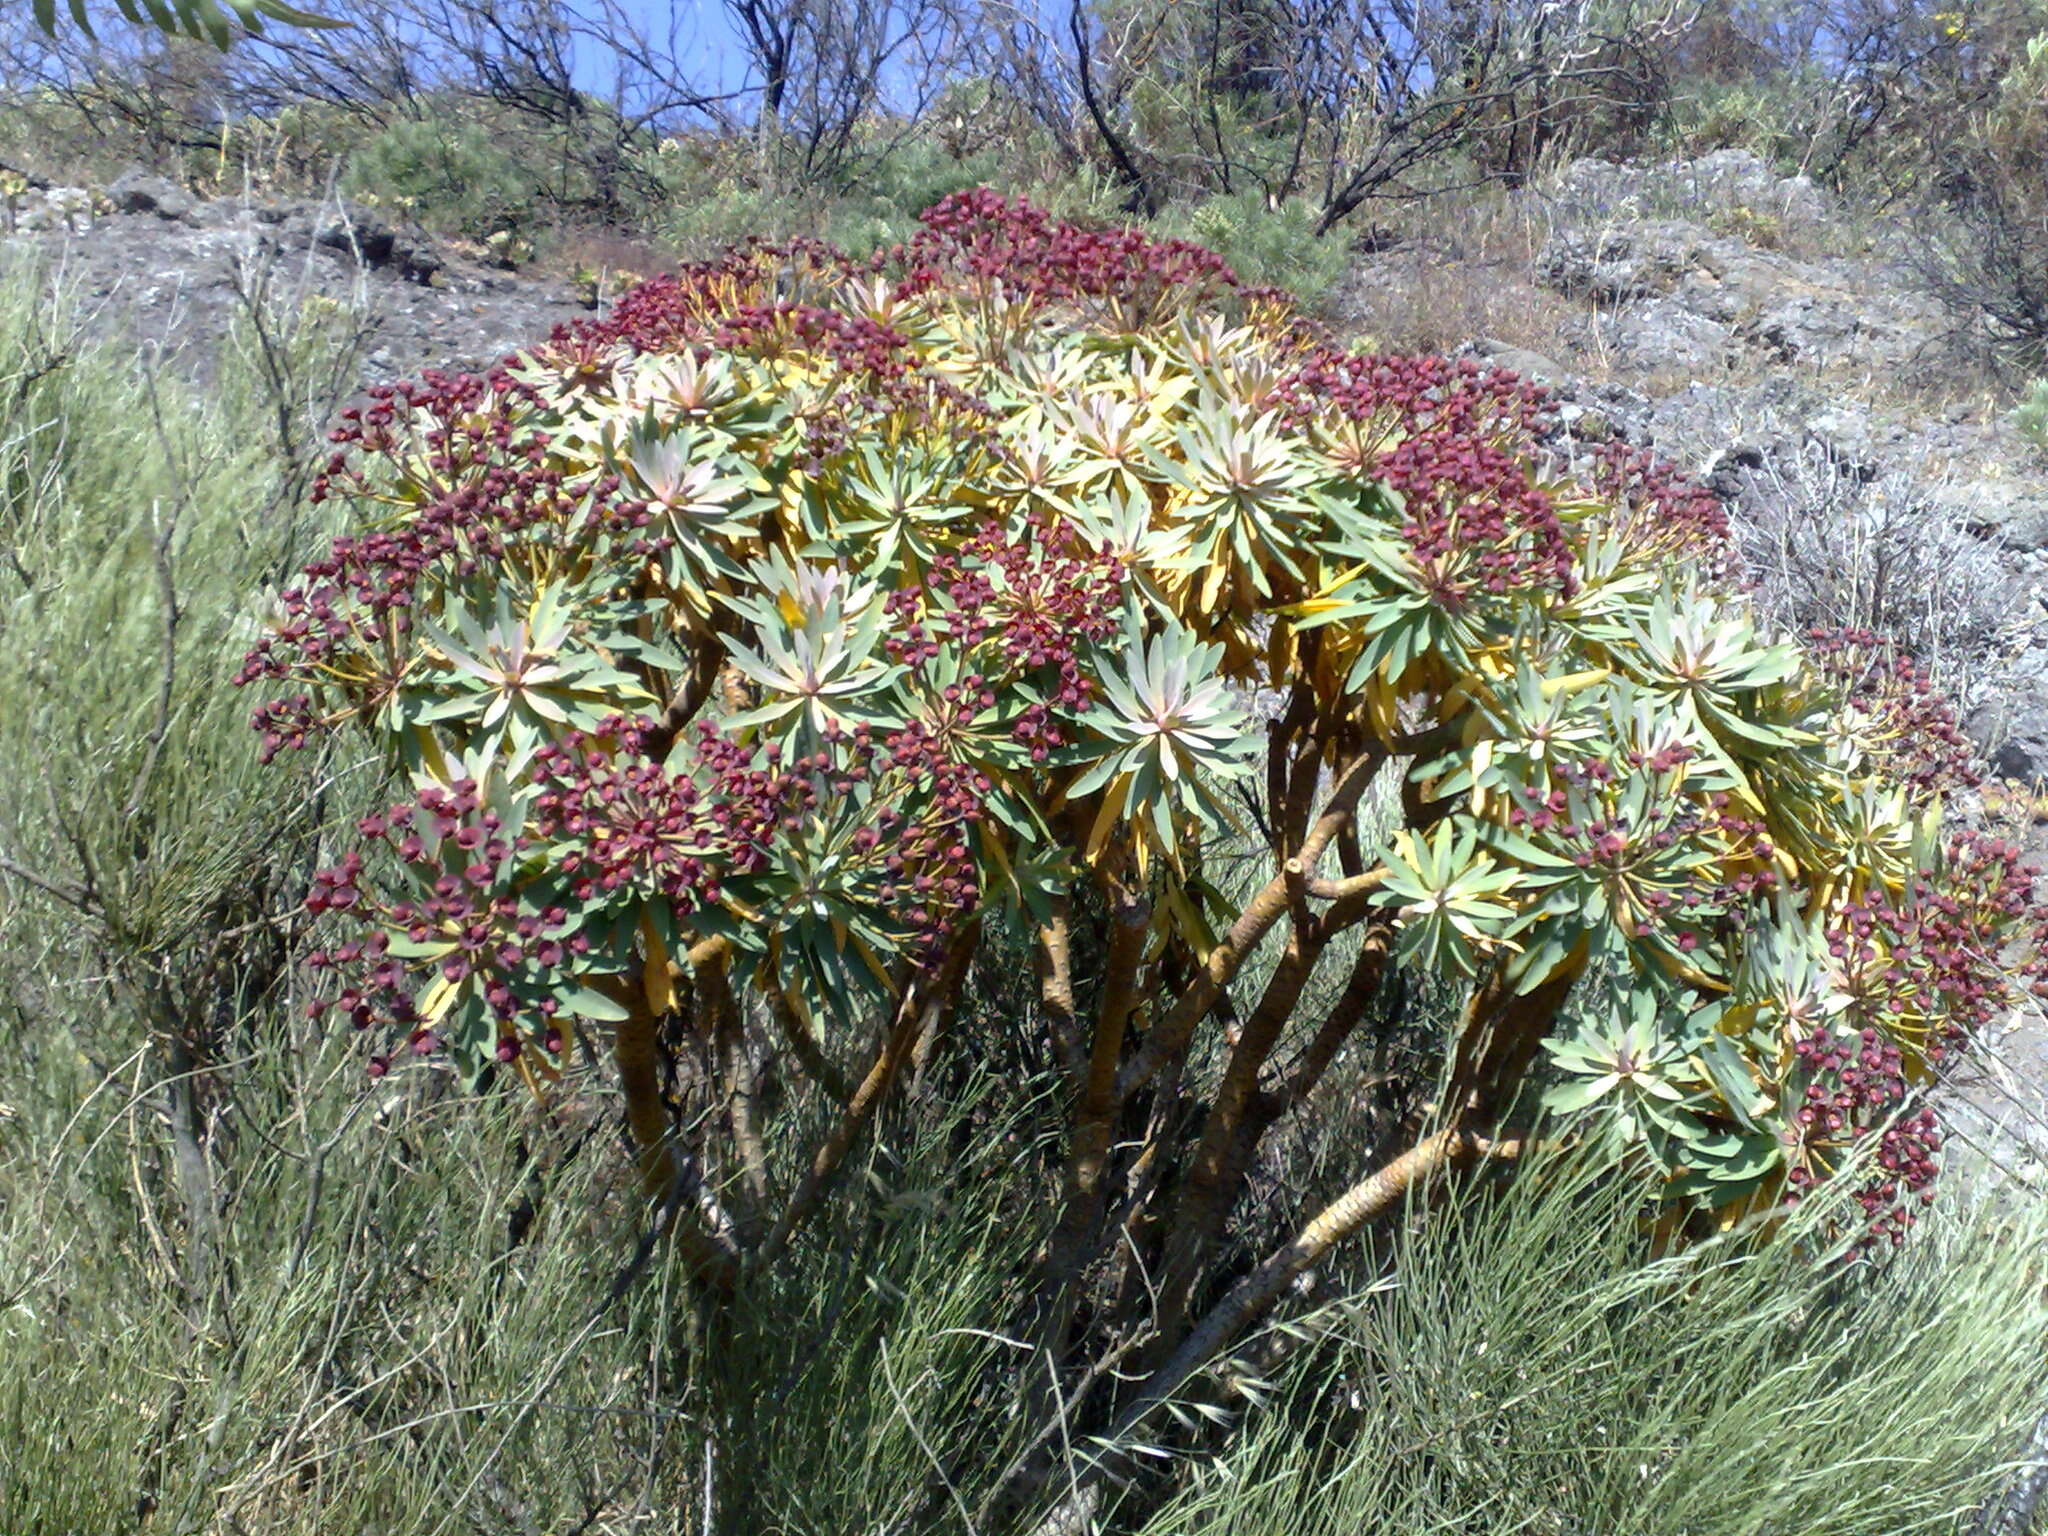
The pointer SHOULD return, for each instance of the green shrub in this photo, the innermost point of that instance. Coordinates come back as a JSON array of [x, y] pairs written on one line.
[[763, 654], [1537, 1365], [2030, 416], [1266, 247], [452, 176], [703, 222]]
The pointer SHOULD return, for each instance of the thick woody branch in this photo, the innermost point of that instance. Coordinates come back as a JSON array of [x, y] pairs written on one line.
[[739, 1085], [1500, 1034], [1218, 1164], [1094, 1124], [1169, 1037], [683, 704], [803, 1044], [1172, 1033], [1251, 1298], [1367, 973], [636, 1049], [1055, 962]]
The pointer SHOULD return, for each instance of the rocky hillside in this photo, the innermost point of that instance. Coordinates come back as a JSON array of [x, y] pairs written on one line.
[[175, 272]]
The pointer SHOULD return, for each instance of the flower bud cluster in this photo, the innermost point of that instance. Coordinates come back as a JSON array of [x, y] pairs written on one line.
[[1457, 442], [679, 309], [993, 240], [476, 488], [1851, 1085], [1907, 724], [1654, 506], [1940, 960], [1028, 603], [470, 919]]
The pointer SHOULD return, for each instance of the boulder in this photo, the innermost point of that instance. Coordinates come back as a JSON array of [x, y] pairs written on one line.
[[1533, 366], [1622, 263], [139, 192], [346, 226], [2015, 729], [1662, 335], [48, 208], [2012, 510], [353, 229]]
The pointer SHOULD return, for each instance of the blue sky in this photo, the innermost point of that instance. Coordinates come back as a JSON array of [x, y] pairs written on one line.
[[706, 43]]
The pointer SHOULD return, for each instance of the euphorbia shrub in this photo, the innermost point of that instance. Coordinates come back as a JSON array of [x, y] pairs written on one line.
[[757, 651]]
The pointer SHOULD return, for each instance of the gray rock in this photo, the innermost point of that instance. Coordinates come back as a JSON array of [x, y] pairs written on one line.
[[350, 227], [1622, 263], [169, 284], [353, 229], [1530, 365], [2011, 510], [2015, 730], [1723, 182], [65, 209], [139, 192], [1661, 335], [220, 213]]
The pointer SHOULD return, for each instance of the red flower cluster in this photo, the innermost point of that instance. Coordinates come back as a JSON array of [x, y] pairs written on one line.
[[1938, 951], [1856, 1086], [1456, 441], [1036, 598], [1657, 508], [1932, 965], [475, 488], [1910, 727], [466, 911], [986, 237], [617, 818], [679, 309]]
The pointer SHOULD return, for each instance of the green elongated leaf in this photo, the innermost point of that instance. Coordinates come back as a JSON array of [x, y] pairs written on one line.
[[433, 949], [1731, 1077], [199, 19], [461, 707], [653, 653], [213, 23], [1100, 774], [1566, 1098], [589, 1003]]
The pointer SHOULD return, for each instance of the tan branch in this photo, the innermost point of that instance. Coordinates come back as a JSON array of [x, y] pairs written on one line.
[[1055, 960], [803, 1044], [1169, 1037], [1094, 1125]]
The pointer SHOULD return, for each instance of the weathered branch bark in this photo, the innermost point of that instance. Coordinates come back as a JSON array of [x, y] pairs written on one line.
[[683, 705], [1371, 1198], [636, 1051], [1367, 973], [1094, 1125], [1055, 960], [739, 1084], [803, 1044], [1210, 1188]]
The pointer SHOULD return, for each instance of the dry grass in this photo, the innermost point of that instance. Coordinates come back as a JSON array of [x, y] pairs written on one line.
[[1456, 268]]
